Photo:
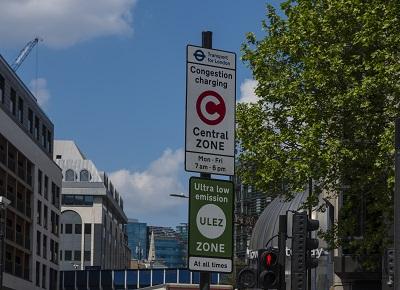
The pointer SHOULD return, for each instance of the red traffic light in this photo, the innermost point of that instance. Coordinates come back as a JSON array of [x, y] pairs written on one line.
[[269, 259], [268, 269]]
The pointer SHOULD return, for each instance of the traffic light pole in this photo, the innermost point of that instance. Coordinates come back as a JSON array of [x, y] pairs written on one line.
[[206, 37], [282, 236], [397, 207], [310, 192]]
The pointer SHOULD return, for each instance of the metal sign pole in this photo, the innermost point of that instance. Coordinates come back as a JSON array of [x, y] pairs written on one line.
[[205, 277]]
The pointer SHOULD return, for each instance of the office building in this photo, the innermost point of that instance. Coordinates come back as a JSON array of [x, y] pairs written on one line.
[[137, 239], [170, 248], [182, 231], [93, 219], [249, 204], [31, 180]]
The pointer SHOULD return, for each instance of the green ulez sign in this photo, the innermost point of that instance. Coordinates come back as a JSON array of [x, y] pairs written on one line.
[[210, 225]]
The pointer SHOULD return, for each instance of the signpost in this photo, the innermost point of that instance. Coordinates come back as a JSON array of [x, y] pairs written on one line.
[[210, 111], [210, 225], [210, 149]]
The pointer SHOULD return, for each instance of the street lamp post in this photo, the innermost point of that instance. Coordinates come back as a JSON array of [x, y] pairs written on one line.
[[4, 202], [181, 195]]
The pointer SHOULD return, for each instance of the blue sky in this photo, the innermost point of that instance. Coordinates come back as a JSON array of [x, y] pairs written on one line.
[[111, 76]]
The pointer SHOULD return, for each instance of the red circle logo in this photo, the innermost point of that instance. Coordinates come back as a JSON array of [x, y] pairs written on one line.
[[210, 107]]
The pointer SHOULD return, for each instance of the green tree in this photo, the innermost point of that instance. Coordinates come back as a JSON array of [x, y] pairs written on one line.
[[328, 87]]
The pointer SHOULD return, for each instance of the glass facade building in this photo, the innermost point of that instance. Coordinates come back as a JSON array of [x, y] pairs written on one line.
[[137, 239], [249, 204], [169, 252], [170, 246]]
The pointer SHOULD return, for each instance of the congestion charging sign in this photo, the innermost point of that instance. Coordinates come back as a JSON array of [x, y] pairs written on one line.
[[210, 111], [210, 225]]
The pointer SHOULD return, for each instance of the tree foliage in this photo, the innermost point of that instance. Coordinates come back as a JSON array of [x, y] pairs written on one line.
[[329, 92]]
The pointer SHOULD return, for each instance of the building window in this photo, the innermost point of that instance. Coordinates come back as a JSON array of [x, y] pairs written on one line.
[[68, 228], [9, 259], [13, 101], [79, 199], [37, 124], [52, 250], [84, 175], [44, 269], [61, 257], [45, 216], [58, 156], [57, 225], [69, 175], [38, 243], [12, 158], [44, 136], [29, 171], [54, 223], [40, 182], [55, 253], [30, 121], [26, 266], [68, 199], [18, 263], [67, 255], [46, 187], [54, 200], [18, 231], [21, 110], [37, 274], [77, 255], [57, 202], [2, 83], [78, 229], [86, 256], [44, 247], [53, 279], [88, 229], [39, 212], [49, 142], [3, 150]]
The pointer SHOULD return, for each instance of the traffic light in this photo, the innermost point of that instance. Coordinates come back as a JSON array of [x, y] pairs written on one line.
[[247, 278], [302, 246], [312, 243], [268, 269], [389, 267]]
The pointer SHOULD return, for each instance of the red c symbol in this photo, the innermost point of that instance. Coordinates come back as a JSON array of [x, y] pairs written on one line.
[[213, 111]]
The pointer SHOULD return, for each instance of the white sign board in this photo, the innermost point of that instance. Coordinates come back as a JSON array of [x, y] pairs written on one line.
[[210, 264], [210, 111]]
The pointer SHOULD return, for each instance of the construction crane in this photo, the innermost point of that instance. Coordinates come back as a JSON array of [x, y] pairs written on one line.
[[24, 53]]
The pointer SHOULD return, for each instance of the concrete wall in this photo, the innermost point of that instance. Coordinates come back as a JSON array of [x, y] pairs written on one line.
[[41, 160]]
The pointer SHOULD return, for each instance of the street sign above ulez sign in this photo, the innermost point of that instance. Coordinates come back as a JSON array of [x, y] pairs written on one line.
[[210, 225], [210, 111]]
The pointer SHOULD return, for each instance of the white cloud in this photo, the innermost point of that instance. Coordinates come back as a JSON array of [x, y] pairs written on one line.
[[40, 91], [146, 193], [62, 23], [247, 91]]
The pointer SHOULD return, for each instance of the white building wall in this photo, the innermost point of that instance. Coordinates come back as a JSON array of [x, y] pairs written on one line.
[[107, 248], [68, 150], [24, 144]]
